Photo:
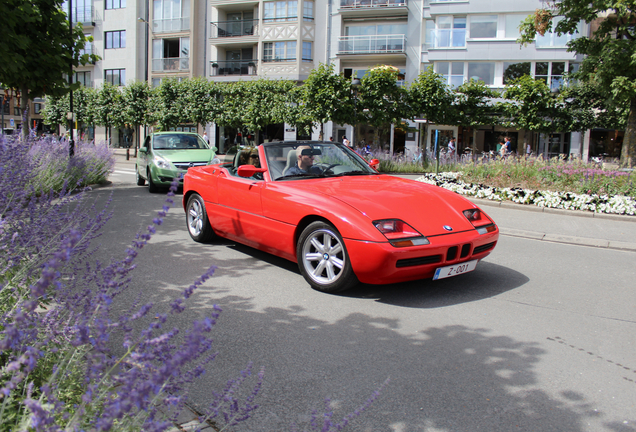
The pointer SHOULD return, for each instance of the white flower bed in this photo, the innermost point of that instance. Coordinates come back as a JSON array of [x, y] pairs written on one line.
[[618, 204]]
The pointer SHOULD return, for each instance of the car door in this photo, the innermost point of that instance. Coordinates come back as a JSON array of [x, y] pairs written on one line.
[[239, 214]]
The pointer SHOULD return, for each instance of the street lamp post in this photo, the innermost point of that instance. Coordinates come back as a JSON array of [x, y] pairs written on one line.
[[71, 141], [145, 21], [355, 83]]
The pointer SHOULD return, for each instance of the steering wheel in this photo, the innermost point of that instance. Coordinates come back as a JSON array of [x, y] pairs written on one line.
[[324, 170]]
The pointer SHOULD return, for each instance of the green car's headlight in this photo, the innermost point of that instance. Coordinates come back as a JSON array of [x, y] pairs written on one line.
[[162, 163]]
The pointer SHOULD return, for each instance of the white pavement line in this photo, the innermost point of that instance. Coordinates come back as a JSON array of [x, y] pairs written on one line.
[[124, 171]]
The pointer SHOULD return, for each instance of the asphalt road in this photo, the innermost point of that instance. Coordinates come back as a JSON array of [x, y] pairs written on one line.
[[540, 337]]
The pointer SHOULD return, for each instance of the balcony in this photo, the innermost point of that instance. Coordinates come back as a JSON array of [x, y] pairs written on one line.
[[173, 25], [239, 67], [380, 44], [83, 15], [371, 3], [172, 64], [446, 38], [227, 29]]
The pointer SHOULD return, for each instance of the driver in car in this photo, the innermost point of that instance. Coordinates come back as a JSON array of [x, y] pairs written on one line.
[[305, 165]]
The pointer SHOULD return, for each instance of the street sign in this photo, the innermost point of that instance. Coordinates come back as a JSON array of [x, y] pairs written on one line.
[[12, 122]]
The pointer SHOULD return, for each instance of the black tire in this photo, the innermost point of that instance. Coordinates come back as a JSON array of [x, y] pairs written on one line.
[[197, 220], [323, 259], [140, 179], [152, 187]]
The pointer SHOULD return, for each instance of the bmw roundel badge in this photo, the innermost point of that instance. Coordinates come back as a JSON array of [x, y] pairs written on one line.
[[448, 228]]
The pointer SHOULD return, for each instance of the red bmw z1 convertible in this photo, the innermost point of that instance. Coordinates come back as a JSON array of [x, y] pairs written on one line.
[[323, 206]]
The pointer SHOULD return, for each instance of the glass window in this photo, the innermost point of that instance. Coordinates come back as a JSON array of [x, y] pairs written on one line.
[[453, 72], [451, 32], [84, 78], [279, 51], [116, 76], [116, 39], [37, 108], [513, 21], [482, 72], [513, 71], [286, 10], [308, 10], [553, 40], [541, 71], [115, 4], [307, 51], [483, 26]]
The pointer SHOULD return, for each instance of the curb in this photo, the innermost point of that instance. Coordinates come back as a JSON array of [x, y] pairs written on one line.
[[579, 241], [528, 207]]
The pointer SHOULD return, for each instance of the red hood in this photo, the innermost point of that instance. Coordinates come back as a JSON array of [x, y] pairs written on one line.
[[425, 207]]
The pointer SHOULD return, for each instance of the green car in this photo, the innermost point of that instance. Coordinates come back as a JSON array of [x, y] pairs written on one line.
[[165, 156]]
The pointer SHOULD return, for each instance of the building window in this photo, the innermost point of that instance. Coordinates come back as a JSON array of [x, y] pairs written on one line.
[[171, 54], [550, 73], [274, 11], [279, 51], [482, 71], [156, 82], [84, 78], [37, 108], [483, 26], [115, 4], [116, 39], [170, 16], [116, 76], [453, 72], [513, 71], [513, 21], [307, 51], [553, 40], [17, 111], [7, 106], [450, 32], [308, 10]]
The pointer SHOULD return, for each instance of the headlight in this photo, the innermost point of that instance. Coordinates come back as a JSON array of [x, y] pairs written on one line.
[[214, 161], [399, 233], [480, 221], [162, 163]]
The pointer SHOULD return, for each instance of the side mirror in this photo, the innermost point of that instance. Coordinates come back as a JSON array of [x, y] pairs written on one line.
[[214, 149], [143, 150], [375, 164], [249, 170]]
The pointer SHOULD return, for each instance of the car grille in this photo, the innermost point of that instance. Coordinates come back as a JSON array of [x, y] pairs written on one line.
[[409, 262], [185, 165], [483, 248]]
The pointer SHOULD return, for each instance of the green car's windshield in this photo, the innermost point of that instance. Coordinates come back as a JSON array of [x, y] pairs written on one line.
[[178, 142], [298, 160]]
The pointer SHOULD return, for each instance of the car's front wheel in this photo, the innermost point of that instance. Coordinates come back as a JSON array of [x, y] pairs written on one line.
[[197, 220], [140, 179], [152, 187], [323, 259]]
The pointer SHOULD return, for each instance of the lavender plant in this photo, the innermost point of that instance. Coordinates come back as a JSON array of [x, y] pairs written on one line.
[[58, 367]]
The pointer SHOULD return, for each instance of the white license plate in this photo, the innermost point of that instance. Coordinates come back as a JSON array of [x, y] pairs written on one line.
[[454, 270]]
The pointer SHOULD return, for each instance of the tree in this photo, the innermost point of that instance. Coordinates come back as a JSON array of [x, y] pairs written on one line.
[[473, 106], [327, 96], [38, 49], [530, 106], [108, 109], [610, 51], [382, 100], [55, 109], [136, 103], [168, 104], [201, 99]]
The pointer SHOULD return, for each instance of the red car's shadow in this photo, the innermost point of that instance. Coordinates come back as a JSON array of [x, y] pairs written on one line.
[[488, 280]]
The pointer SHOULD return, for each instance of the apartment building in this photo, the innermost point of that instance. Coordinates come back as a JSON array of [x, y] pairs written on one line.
[[11, 112], [231, 40]]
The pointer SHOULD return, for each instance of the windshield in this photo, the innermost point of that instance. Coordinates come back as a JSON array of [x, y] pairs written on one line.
[[297, 160], [178, 142]]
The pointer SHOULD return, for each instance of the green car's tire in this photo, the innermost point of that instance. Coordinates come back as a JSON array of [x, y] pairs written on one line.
[[140, 179]]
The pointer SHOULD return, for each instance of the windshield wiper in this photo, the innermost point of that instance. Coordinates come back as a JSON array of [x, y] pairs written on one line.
[[354, 173], [292, 176]]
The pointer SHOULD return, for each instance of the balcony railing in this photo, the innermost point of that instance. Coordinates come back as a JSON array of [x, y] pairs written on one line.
[[446, 38], [173, 64], [371, 3], [239, 67], [82, 14], [171, 25], [380, 44], [223, 29]]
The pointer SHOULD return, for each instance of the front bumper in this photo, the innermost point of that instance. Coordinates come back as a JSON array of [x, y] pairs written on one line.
[[381, 263]]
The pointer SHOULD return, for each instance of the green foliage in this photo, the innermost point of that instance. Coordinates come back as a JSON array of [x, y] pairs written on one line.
[[610, 51], [55, 109], [109, 108], [168, 104], [327, 96], [201, 100], [531, 106], [381, 100], [430, 97], [473, 105], [136, 102], [37, 48]]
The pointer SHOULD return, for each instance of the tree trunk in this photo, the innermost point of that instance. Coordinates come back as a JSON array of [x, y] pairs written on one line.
[[24, 105], [628, 152]]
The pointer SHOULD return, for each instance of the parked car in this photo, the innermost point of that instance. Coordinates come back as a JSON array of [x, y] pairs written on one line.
[[165, 156], [321, 205]]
